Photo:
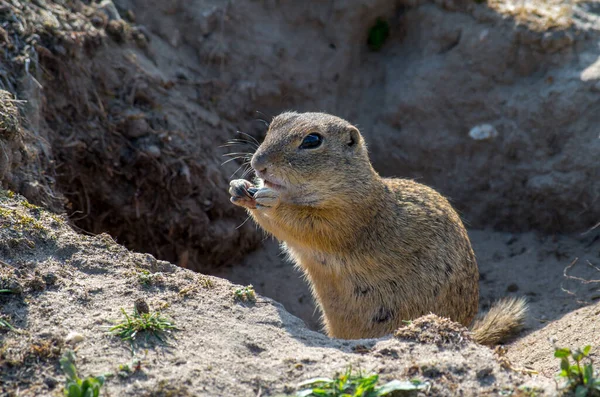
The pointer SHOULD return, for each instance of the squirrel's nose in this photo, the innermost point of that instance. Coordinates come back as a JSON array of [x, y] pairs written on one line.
[[259, 162]]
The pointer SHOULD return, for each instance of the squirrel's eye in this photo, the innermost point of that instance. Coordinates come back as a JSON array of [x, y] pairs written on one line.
[[311, 141]]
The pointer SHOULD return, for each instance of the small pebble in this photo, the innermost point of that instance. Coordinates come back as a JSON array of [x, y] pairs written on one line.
[[483, 132], [485, 372], [51, 382], [74, 338], [152, 151], [141, 306], [50, 278]]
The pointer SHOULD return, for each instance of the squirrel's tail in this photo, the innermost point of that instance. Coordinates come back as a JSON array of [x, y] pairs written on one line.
[[503, 320]]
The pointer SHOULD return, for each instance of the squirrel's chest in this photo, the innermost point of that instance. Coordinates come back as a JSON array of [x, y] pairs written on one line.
[[317, 263]]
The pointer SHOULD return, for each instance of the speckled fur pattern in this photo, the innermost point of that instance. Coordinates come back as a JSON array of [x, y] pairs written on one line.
[[376, 251]]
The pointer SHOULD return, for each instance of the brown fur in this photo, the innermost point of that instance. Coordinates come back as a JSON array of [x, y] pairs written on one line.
[[376, 251]]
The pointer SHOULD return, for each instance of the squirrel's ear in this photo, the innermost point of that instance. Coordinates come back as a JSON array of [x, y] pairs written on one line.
[[353, 138]]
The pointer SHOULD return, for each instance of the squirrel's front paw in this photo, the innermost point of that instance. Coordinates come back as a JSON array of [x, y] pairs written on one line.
[[242, 193], [266, 198]]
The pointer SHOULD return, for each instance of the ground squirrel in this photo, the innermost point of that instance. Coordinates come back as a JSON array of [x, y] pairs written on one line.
[[376, 251]]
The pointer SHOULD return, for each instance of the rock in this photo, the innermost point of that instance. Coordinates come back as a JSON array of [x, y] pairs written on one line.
[[51, 382], [136, 127], [50, 278], [141, 306], [152, 151], [483, 132], [108, 7], [74, 338], [484, 372]]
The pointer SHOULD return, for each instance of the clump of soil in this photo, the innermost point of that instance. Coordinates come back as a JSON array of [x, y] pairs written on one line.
[[432, 329]]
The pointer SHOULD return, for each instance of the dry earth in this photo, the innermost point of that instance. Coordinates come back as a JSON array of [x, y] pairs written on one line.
[[63, 283]]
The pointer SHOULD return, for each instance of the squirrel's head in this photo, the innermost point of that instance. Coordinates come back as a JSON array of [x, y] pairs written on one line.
[[309, 157]]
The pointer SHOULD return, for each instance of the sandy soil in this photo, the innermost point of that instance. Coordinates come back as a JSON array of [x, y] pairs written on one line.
[[511, 264], [68, 289]]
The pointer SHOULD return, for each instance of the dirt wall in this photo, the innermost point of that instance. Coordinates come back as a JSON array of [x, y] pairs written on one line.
[[133, 100], [447, 68]]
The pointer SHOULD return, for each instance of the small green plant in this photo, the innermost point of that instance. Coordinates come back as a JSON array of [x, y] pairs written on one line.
[[4, 324], [378, 34], [27, 204], [7, 194], [245, 294], [143, 323], [146, 278], [528, 391], [579, 375], [127, 369], [76, 387], [357, 385]]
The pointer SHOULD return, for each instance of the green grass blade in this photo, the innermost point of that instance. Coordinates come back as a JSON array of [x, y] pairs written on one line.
[[561, 353]]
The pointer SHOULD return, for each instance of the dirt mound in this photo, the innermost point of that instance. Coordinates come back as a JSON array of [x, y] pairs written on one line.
[[436, 330], [67, 290], [575, 330]]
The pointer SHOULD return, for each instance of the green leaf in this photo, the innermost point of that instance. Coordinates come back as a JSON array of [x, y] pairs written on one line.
[[564, 364], [560, 353], [397, 385], [73, 390], [315, 381], [586, 350], [88, 392], [88, 387], [564, 373], [378, 34], [67, 363], [588, 374], [319, 393], [581, 391], [577, 355]]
